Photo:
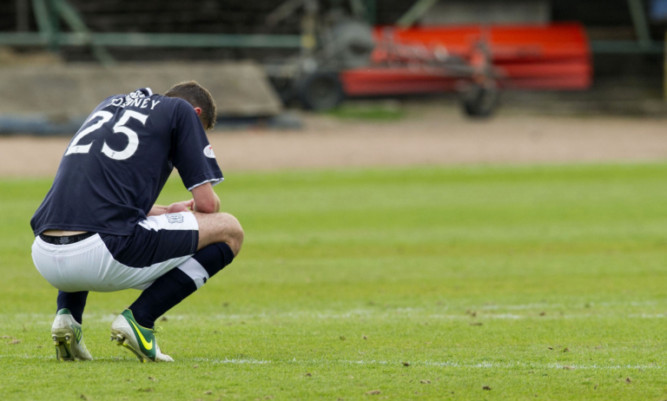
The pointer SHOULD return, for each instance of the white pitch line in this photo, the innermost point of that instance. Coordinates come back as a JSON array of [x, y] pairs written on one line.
[[436, 364], [446, 312], [431, 364], [232, 361], [506, 365]]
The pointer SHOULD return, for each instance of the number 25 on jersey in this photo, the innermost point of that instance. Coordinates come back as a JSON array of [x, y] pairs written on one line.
[[100, 118]]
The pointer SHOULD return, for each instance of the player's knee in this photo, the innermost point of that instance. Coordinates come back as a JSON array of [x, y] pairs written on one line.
[[233, 232], [220, 227]]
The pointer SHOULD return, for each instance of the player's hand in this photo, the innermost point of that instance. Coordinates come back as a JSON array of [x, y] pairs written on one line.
[[183, 206]]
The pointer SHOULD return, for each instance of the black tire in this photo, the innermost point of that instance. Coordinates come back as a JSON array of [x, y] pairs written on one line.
[[320, 91], [480, 101], [284, 89]]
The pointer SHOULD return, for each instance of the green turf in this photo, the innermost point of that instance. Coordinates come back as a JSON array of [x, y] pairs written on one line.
[[468, 283], [368, 112]]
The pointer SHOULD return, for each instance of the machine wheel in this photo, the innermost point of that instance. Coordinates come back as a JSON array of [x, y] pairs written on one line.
[[320, 91], [480, 101], [283, 88]]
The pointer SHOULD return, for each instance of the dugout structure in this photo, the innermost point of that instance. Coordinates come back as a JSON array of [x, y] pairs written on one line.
[[59, 24]]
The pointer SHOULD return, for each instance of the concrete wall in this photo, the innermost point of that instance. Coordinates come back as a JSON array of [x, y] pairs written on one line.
[[63, 92]]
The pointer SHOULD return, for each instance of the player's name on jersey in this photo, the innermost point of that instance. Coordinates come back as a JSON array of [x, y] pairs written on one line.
[[140, 102]]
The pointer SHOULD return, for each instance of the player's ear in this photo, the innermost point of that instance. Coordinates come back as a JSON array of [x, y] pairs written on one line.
[[198, 111]]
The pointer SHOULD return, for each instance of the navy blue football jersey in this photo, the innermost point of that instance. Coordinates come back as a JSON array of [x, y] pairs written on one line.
[[117, 163]]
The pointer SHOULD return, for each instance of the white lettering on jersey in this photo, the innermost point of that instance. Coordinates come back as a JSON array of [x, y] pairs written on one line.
[[137, 99]]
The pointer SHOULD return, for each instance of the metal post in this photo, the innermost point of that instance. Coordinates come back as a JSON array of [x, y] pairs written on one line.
[[283, 11], [54, 22], [364, 9], [22, 24], [44, 24], [74, 20], [664, 71], [415, 12], [639, 21], [309, 28], [371, 11]]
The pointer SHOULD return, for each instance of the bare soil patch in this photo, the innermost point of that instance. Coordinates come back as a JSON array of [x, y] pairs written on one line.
[[428, 135]]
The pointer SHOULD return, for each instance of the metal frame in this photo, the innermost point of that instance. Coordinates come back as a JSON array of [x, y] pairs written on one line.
[[49, 13], [643, 44]]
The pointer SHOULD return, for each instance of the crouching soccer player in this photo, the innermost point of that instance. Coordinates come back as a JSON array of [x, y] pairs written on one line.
[[99, 229]]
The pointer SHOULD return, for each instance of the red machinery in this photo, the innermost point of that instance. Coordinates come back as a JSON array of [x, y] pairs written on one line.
[[475, 60]]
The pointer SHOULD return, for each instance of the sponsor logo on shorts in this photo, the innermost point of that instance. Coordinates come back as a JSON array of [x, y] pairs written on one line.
[[175, 218]]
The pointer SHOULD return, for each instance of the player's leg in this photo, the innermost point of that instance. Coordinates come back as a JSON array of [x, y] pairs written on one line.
[[66, 330], [136, 323], [220, 239], [177, 284], [74, 302], [219, 228], [158, 245]]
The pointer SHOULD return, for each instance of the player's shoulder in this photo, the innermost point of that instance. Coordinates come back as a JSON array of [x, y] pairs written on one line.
[[175, 101], [180, 109], [173, 104]]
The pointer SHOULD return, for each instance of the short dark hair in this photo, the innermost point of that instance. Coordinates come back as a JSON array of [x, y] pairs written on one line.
[[197, 96]]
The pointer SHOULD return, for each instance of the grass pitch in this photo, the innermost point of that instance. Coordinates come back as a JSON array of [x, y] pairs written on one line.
[[469, 283]]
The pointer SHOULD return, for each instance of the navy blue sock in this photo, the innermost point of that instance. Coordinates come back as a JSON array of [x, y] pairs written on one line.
[[214, 257], [162, 295], [173, 287], [74, 301]]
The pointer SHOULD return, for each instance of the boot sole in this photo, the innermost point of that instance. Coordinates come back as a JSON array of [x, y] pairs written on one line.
[[63, 342], [121, 340]]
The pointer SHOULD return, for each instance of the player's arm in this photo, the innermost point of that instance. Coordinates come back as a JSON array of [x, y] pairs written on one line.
[[157, 210], [175, 207], [205, 199]]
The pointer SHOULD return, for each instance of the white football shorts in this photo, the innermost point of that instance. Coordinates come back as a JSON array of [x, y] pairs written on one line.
[[111, 263]]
